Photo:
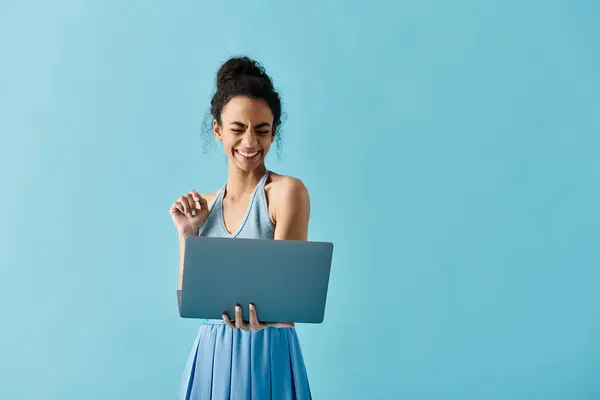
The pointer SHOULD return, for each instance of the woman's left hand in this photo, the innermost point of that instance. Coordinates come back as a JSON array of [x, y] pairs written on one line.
[[254, 325]]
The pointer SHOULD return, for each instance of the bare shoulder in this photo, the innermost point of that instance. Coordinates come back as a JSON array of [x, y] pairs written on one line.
[[286, 194], [284, 187]]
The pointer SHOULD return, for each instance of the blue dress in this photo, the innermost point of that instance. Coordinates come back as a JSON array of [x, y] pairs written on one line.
[[233, 364]]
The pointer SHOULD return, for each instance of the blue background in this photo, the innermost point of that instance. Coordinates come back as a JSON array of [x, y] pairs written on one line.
[[451, 153]]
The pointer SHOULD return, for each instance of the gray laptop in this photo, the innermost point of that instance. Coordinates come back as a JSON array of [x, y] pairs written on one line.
[[286, 280]]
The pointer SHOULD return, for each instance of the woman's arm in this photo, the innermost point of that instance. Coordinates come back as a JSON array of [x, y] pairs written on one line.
[[292, 210]]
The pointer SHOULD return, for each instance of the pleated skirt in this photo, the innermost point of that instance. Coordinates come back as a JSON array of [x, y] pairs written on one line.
[[232, 364]]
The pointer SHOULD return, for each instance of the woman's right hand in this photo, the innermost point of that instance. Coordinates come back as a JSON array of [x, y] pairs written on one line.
[[189, 212]]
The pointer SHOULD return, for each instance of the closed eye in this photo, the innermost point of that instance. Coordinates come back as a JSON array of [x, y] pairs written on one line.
[[259, 128], [242, 131]]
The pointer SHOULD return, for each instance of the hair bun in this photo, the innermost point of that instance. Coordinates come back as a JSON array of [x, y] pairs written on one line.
[[239, 67]]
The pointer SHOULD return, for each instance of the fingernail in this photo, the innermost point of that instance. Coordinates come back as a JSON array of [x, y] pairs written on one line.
[[252, 306], [187, 214], [238, 308], [193, 213], [197, 199]]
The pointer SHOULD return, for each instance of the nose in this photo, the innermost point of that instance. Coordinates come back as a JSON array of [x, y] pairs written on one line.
[[249, 138]]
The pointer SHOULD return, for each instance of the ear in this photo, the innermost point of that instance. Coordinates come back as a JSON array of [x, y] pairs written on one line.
[[217, 131], [274, 133]]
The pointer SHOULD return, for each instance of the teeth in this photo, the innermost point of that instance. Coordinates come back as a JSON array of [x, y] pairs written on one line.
[[249, 155]]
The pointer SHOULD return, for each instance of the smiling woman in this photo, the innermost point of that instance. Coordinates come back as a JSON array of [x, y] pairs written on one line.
[[238, 359], [244, 132]]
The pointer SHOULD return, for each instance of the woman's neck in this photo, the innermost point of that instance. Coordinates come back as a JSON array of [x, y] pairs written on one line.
[[241, 183]]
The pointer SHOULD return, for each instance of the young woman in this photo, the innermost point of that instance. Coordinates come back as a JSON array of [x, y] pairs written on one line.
[[231, 359]]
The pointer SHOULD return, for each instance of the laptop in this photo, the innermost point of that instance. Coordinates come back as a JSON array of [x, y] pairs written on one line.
[[286, 280]]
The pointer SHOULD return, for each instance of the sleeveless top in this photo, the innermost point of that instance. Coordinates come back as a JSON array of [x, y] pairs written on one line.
[[256, 223]]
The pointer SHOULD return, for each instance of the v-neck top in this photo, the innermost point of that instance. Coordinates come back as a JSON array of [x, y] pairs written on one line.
[[256, 223]]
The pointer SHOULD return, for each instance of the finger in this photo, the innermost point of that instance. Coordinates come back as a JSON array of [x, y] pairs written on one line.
[[184, 202], [228, 321], [195, 195], [176, 208], [254, 324], [192, 204], [239, 320], [200, 201]]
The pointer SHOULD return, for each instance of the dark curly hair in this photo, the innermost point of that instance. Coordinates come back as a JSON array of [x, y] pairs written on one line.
[[243, 76]]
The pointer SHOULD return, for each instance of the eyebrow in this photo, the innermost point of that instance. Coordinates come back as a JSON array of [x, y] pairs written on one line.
[[262, 125]]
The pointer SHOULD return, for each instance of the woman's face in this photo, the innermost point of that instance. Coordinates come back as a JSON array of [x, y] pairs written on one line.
[[246, 131]]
